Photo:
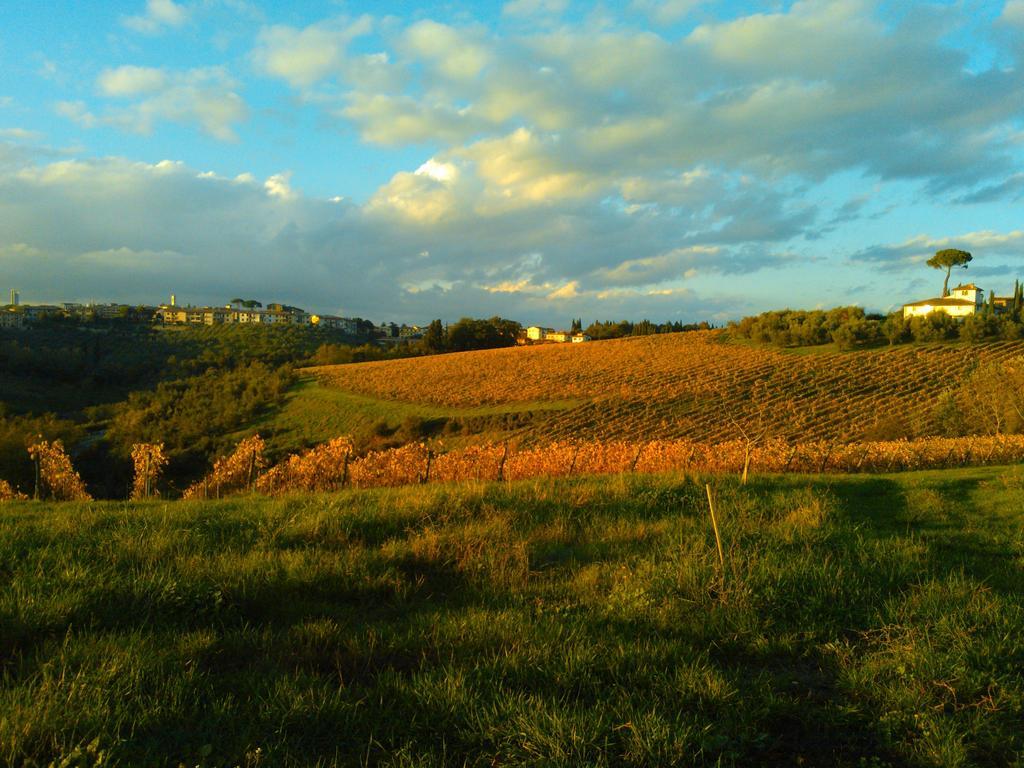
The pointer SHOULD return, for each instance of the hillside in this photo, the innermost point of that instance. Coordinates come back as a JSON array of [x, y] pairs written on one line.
[[859, 621], [684, 385]]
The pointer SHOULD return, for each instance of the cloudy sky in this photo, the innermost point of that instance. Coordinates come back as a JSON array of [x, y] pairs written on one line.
[[538, 159]]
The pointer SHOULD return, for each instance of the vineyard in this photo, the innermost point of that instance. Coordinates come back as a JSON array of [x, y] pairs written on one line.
[[683, 386], [334, 465]]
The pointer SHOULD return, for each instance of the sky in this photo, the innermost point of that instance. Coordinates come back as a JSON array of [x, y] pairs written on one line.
[[536, 159]]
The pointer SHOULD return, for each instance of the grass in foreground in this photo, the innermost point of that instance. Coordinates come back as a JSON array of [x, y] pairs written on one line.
[[862, 621]]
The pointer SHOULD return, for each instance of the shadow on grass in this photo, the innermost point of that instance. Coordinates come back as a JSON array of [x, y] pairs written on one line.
[[932, 512]]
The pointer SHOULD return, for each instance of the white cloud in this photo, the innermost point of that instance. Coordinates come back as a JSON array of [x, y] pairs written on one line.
[[568, 291], [205, 97], [577, 110], [77, 112], [916, 250], [131, 81], [20, 134], [666, 11], [279, 186], [531, 8], [395, 120], [159, 14], [1013, 12], [302, 57], [456, 54], [438, 171], [136, 231]]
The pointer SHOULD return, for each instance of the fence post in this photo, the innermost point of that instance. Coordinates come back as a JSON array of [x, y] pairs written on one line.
[[344, 468], [252, 468], [501, 464], [572, 465], [824, 459], [863, 455], [636, 458], [792, 455], [426, 473], [37, 491]]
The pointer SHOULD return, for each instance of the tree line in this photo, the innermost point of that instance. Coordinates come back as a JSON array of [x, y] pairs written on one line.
[[851, 327]]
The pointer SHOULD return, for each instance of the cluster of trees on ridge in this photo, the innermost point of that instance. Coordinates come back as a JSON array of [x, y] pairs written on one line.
[[470, 334], [851, 327]]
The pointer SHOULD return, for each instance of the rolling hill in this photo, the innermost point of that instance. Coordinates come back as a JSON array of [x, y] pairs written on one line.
[[686, 385]]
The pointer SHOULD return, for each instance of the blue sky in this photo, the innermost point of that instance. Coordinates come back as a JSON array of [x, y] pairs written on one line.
[[538, 159]]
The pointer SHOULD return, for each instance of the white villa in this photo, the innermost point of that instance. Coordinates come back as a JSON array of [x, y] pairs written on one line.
[[962, 301]]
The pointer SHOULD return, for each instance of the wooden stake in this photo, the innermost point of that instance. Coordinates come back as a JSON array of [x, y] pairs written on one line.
[[718, 539]]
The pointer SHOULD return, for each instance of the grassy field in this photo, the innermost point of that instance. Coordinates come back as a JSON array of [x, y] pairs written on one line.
[[684, 385], [314, 414], [861, 621]]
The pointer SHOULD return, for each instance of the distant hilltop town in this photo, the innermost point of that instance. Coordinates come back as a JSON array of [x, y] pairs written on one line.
[[237, 312]]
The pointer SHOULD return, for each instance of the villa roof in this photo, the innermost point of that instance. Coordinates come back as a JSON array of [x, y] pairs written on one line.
[[941, 303], [967, 287]]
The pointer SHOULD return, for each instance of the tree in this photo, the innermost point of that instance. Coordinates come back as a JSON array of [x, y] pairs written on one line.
[[434, 338], [947, 259]]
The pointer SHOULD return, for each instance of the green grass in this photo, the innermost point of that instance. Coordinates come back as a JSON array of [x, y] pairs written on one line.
[[860, 621], [313, 414]]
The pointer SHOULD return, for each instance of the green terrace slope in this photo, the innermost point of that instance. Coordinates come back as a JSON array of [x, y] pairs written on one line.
[[858, 621], [686, 385], [314, 413]]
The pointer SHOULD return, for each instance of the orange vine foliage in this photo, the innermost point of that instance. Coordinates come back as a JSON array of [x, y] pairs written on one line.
[[330, 466], [7, 493], [58, 479], [149, 459], [232, 473], [323, 468]]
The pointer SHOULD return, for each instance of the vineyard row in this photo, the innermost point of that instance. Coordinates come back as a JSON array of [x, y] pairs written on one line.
[[333, 466]]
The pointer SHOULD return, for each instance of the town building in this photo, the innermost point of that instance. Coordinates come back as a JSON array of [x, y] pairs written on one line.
[[344, 324], [11, 318]]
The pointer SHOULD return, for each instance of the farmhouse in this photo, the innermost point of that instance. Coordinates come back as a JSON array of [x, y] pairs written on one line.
[[964, 300], [536, 333]]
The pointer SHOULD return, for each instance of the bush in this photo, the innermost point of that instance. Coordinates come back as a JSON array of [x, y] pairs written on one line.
[[936, 326], [856, 332], [978, 327], [895, 328]]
